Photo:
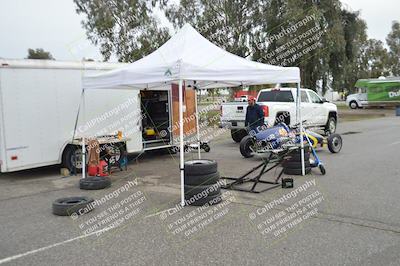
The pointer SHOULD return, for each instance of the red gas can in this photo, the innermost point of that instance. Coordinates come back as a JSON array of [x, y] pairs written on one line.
[[93, 169], [103, 168]]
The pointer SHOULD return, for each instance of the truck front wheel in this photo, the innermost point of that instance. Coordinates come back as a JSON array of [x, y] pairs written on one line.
[[330, 126], [238, 134]]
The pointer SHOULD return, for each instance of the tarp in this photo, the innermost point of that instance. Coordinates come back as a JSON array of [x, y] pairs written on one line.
[[191, 57]]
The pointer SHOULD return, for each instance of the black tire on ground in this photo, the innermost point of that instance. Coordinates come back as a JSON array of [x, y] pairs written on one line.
[[70, 155], [211, 200], [245, 146], [238, 134], [208, 191], [200, 167], [335, 143], [353, 105], [297, 171], [72, 206], [295, 165], [203, 180], [94, 182], [330, 126]]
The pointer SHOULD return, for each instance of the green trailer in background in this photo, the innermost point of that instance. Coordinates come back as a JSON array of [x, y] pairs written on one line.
[[376, 92]]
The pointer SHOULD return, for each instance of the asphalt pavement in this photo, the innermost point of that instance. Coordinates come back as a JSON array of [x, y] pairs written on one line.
[[350, 216]]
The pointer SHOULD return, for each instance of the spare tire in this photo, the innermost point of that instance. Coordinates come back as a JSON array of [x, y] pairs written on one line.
[[200, 167], [94, 182], [72, 206], [208, 179]]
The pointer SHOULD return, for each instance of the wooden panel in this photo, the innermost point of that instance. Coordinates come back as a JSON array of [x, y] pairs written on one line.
[[189, 117]]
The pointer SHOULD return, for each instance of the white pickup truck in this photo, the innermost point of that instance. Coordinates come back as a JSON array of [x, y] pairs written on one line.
[[279, 105]]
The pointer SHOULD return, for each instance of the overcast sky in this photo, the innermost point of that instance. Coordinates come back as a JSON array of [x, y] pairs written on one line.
[[54, 26]]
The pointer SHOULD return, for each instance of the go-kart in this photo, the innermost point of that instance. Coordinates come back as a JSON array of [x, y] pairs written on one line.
[[266, 140], [280, 138]]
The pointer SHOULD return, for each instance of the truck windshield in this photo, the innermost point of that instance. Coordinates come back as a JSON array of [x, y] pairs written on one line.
[[275, 96]]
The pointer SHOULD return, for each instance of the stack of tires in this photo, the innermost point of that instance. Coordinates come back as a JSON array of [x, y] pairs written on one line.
[[292, 164], [202, 183]]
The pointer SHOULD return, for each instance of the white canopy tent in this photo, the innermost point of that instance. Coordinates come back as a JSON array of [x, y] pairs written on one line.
[[190, 58]]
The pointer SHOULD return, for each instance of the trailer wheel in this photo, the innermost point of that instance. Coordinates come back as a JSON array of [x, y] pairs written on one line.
[[72, 158]]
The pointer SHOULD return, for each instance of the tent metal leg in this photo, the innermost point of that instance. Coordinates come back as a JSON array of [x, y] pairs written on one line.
[[181, 143], [303, 171], [197, 125]]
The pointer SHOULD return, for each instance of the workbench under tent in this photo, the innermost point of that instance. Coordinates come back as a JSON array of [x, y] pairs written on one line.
[[189, 59]]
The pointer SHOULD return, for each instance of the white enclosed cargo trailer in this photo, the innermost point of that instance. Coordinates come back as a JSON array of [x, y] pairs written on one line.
[[39, 102]]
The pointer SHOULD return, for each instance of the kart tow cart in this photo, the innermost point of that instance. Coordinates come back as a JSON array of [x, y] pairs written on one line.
[[274, 159]]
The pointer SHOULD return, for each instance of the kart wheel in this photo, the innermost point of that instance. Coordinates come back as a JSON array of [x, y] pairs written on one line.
[[247, 146], [322, 169], [335, 143]]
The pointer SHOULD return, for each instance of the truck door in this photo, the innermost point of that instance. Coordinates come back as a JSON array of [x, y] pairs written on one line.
[[306, 108], [318, 110]]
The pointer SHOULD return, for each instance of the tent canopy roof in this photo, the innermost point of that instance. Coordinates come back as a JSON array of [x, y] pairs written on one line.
[[191, 57]]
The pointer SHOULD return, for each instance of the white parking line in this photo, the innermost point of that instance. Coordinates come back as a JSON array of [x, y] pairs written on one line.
[[158, 213], [5, 260], [395, 143]]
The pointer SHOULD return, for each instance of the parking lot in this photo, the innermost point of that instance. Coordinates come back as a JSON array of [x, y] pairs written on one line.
[[349, 216]]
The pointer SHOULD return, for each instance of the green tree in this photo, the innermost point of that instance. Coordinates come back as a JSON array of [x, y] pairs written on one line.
[[228, 24], [126, 28], [393, 41], [375, 59], [39, 54]]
